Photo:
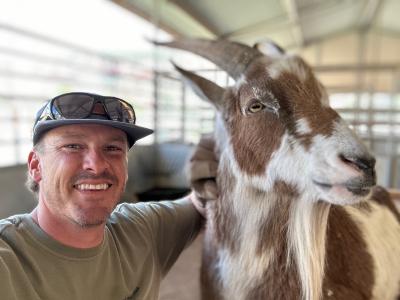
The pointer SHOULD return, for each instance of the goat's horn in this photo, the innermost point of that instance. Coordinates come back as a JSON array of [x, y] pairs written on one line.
[[231, 57]]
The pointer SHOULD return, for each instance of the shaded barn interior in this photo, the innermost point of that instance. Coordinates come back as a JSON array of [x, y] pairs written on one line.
[[353, 46]]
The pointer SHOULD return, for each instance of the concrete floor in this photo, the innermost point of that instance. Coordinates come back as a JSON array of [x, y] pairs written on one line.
[[182, 282]]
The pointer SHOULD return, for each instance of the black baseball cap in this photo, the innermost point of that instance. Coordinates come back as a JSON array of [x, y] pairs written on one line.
[[117, 113]]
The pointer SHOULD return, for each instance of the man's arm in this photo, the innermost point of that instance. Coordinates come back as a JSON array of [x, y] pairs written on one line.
[[13, 280]]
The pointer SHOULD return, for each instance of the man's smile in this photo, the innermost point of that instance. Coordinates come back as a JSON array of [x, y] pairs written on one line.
[[92, 187]]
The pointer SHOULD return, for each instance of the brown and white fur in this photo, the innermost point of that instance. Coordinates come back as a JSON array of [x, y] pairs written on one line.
[[297, 216]]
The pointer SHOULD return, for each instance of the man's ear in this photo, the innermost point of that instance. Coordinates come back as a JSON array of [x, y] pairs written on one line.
[[34, 166]]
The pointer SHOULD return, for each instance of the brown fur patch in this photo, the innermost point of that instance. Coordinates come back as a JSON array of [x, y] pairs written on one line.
[[257, 136], [208, 276], [276, 226], [349, 267], [223, 216], [304, 99], [279, 280], [398, 297], [254, 137], [222, 234], [381, 196]]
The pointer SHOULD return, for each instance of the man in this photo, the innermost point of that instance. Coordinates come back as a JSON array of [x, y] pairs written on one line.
[[76, 244]]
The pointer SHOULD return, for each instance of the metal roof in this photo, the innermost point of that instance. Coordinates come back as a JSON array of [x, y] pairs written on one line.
[[291, 23], [354, 45]]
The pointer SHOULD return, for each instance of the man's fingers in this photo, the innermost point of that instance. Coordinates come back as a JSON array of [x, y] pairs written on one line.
[[199, 204], [203, 170], [203, 163], [205, 189], [204, 149]]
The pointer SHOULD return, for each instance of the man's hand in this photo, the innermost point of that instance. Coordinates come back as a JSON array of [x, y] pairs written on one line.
[[203, 172]]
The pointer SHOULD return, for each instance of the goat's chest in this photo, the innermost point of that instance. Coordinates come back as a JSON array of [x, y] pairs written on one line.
[[250, 275], [244, 255], [239, 272], [246, 246]]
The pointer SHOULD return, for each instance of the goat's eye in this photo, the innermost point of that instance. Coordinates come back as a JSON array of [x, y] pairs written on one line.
[[255, 106]]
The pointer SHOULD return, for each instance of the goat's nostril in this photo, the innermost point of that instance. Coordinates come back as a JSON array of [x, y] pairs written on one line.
[[362, 163]]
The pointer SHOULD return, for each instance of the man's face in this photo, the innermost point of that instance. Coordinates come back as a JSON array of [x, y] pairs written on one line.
[[82, 172]]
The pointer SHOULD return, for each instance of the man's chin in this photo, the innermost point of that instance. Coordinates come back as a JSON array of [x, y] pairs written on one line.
[[92, 217]]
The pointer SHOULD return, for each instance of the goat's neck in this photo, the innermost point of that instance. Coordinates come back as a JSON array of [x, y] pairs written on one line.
[[282, 222]]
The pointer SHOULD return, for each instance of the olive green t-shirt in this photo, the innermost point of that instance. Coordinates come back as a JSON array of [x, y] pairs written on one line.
[[141, 242]]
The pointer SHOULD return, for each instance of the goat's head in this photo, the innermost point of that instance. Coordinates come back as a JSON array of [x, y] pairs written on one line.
[[278, 122]]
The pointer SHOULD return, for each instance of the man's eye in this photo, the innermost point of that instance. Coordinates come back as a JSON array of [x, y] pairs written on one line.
[[73, 146], [113, 148]]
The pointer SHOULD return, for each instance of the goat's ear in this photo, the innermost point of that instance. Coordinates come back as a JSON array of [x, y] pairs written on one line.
[[269, 48], [204, 88]]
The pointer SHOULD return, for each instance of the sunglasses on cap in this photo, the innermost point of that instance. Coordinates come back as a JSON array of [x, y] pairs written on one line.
[[80, 105], [87, 108]]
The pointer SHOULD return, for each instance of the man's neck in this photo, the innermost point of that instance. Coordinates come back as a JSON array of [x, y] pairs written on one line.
[[67, 232]]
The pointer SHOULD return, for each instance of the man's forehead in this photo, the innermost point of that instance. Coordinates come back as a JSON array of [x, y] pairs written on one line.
[[84, 131]]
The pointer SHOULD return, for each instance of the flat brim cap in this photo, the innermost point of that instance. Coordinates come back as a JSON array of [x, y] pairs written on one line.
[[132, 131]]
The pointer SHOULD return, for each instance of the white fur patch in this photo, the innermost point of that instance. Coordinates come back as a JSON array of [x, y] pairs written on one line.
[[381, 231], [302, 126], [306, 240], [222, 138], [295, 165], [327, 166], [289, 163], [245, 261], [307, 224], [288, 64], [269, 49], [250, 214], [240, 81]]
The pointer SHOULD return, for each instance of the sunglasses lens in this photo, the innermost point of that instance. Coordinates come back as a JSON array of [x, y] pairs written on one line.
[[72, 106], [119, 111]]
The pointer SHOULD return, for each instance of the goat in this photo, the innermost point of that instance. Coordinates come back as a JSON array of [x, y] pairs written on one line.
[[298, 216]]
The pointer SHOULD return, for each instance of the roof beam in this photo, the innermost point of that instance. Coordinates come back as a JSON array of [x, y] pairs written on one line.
[[135, 9], [369, 14], [386, 31], [380, 67], [267, 26], [189, 10], [167, 16], [294, 18]]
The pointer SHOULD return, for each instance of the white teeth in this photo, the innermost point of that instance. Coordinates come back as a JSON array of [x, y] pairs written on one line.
[[85, 186]]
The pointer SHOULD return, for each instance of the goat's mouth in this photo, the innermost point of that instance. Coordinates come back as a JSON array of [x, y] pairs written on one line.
[[356, 187]]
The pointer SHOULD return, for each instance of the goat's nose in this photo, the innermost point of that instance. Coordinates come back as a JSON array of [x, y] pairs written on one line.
[[361, 163]]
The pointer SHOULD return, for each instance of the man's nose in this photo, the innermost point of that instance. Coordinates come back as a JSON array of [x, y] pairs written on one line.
[[95, 161]]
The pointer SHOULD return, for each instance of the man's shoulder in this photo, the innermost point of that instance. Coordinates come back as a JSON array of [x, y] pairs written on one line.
[[137, 209], [128, 213], [126, 209], [12, 223], [144, 209], [11, 233]]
